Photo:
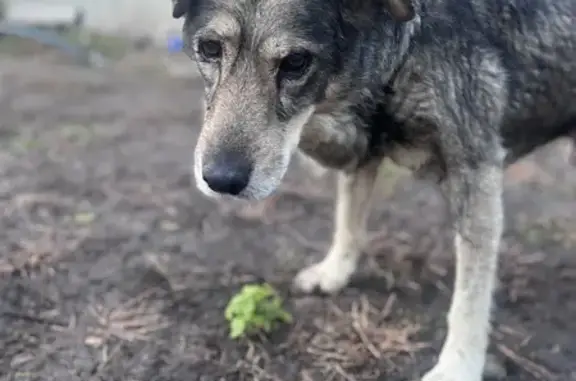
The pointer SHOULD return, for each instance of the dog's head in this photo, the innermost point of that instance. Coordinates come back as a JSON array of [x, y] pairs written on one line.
[[266, 64]]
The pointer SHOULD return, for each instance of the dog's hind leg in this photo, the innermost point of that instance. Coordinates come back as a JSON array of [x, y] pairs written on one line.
[[475, 196], [352, 209]]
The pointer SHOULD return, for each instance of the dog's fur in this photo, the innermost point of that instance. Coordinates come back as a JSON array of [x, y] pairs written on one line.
[[457, 89]]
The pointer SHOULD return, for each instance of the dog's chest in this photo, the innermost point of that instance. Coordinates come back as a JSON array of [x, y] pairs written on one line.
[[346, 140], [335, 140]]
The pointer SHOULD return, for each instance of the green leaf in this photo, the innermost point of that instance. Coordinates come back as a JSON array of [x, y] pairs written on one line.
[[235, 306], [255, 307], [237, 328], [258, 321], [267, 326], [84, 217], [248, 309], [231, 309], [285, 317]]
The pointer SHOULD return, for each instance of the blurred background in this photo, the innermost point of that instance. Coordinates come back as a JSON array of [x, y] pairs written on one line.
[[130, 17], [114, 267]]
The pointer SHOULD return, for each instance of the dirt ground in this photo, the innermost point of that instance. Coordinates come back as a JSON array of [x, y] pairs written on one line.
[[114, 268]]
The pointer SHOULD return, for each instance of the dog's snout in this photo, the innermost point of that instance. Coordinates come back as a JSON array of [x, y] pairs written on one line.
[[227, 173]]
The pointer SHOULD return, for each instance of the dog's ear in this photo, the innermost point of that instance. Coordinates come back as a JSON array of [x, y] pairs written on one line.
[[180, 8], [401, 10]]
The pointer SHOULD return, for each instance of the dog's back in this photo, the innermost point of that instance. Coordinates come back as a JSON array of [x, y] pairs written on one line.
[[537, 41], [533, 45]]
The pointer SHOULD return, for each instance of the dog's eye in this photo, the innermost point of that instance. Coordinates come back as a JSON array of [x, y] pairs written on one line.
[[296, 64], [210, 50]]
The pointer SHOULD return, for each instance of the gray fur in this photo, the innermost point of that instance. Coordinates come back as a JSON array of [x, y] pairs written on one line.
[[450, 88]]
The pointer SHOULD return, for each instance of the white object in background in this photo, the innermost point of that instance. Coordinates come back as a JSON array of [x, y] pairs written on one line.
[[38, 13]]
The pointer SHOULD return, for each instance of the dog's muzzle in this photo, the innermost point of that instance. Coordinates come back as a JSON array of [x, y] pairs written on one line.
[[227, 172]]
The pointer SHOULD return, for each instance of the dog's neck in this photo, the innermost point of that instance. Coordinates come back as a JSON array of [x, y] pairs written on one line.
[[354, 103], [394, 41]]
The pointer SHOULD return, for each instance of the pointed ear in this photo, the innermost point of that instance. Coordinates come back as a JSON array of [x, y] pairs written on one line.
[[401, 10], [180, 8]]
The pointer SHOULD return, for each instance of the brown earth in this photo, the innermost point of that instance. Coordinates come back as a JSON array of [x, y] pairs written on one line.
[[113, 267]]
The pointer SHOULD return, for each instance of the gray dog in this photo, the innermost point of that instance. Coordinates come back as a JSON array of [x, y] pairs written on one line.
[[456, 89]]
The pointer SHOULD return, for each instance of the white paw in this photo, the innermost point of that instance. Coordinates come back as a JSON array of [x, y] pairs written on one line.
[[455, 371], [328, 276]]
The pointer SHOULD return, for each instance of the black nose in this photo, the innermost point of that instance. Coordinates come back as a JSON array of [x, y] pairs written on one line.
[[227, 172]]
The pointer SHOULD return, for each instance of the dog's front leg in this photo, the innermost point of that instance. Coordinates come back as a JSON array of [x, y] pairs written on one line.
[[352, 210], [475, 196]]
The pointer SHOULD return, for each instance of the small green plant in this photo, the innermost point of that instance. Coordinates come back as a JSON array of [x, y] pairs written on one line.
[[257, 307]]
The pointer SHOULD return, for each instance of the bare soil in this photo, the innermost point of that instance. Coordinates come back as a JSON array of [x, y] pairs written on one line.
[[114, 268]]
